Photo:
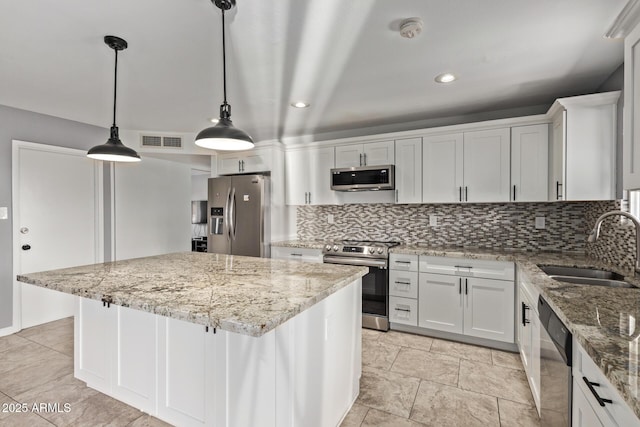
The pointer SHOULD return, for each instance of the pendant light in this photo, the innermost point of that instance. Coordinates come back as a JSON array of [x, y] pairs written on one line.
[[224, 136], [114, 150]]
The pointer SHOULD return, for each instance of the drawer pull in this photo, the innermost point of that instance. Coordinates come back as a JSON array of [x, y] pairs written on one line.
[[600, 400], [401, 283], [403, 309], [402, 262], [525, 307], [296, 254], [463, 266]]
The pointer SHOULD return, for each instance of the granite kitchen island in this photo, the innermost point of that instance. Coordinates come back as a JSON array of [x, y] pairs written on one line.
[[208, 339]]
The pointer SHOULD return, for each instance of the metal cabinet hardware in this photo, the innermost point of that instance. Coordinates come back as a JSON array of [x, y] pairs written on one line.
[[402, 283], [460, 194], [293, 254], [464, 266], [600, 400], [399, 261], [309, 197], [26, 247], [466, 194], [525, 307], [514, 193], [396, 195], [306, 198], [466, 286], [360, 159], [460, 285], [403, 309], [558, 186], [365, 159]]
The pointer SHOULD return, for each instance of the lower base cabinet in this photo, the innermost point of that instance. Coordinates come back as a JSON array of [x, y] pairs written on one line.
[[306, 372], [529, 335]]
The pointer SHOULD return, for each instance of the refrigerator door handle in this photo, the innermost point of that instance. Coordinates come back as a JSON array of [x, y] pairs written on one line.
[[226, 213], [232, 214]]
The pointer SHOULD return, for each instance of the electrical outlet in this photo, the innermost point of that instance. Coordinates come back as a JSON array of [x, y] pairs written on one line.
[[540, 223], [4, 213], [330, 219], [433, 220]]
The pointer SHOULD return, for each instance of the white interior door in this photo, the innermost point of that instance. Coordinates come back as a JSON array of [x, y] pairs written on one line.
[[57, 211]]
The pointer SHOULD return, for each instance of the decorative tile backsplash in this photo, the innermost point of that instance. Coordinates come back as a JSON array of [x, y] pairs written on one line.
[[482, 225]]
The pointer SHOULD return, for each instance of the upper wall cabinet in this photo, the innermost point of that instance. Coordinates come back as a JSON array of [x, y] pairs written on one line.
[[631, 154], [255, 160], [466, 167], [408, 170], [308, 176], [369, 154], [583, 147], [529, 163]]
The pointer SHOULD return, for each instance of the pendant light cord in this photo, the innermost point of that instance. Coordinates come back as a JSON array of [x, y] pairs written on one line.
[[115, 87], [224, 61]]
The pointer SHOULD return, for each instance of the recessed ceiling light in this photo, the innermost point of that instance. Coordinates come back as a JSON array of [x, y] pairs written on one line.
[[445, 78], [300, 104], [214, 120]]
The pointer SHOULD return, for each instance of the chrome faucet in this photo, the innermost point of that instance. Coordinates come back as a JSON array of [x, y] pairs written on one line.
[[595, 233]]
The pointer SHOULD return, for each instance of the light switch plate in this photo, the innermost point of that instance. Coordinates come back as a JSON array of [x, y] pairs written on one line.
[[540, 223], [433, 220], [4, 212]]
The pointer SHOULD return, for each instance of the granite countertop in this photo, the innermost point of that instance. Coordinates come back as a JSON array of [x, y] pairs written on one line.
[[246, 295], [302, 244], [602, 319]]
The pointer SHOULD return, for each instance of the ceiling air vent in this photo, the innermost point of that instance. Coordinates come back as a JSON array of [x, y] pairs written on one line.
[[151, 141], [161, 141]]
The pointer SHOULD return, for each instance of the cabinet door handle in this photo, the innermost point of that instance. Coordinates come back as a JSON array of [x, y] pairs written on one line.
[[460, 194], [466, 194], [460, 285], [402, 262], [558, 186], [239, 166], [403, 309], [305, 198], [309, 197], [466, 286], [365, 159], [293, 254], [402, 283], [464, 266], [514, 193], [396, 195], [360, 159], [600, 400], [525, 307]]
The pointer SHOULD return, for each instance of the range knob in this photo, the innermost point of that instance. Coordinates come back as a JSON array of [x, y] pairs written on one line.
[[335, 248], [380, 250], [372, 250], [327, 248]]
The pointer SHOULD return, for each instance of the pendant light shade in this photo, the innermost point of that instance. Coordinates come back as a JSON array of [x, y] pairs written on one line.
[[114, 150], [224, 136]]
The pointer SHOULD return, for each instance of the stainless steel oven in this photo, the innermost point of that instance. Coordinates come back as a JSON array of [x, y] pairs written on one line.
[[375, 284]]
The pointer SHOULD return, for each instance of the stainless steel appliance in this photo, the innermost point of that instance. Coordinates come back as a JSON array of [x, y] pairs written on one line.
[[238, 215], [555, 368], [375, 284], [199, 212], [363, 178]]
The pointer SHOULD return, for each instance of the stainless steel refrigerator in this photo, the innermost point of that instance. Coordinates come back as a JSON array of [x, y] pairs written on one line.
[[238, 215]]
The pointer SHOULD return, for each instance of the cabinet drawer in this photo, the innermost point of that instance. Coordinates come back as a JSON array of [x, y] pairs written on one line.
[[403, 283], [297, 254], [403, 310], [403, 262], [499, 270], [618, 411]]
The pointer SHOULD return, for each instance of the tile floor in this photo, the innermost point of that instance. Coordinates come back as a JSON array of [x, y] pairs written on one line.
[[407, 380]]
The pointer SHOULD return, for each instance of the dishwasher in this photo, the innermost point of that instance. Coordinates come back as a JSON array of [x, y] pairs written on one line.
[[555, 368]]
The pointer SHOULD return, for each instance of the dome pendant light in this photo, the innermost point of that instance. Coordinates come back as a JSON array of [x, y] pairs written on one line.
[[224, 136], [114, 150]]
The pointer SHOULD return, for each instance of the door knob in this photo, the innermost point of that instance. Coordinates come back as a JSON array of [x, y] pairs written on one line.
[[26, 247]]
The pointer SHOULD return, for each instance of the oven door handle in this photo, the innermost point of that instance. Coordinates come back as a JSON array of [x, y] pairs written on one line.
[[355, 261]]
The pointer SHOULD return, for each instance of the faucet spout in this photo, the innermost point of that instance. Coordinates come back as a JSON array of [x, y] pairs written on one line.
[[595, 233]]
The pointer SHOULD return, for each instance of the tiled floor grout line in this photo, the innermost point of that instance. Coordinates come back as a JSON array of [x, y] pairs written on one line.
[[46, 346]]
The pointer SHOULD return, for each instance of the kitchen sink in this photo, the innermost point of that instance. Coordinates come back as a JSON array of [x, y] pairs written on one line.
[[585, 276]]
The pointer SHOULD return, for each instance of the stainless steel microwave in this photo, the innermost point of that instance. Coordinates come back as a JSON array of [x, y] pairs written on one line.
[[363, 178]]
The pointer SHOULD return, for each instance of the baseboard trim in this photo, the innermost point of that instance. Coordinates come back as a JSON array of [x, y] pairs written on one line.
[[498, 345]]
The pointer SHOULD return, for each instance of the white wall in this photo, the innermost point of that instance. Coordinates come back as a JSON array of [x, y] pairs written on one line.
[[199, 187], [152, 208]]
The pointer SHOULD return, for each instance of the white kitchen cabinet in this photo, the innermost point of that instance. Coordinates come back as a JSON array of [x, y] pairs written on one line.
[[403, 289], [529, 163], [467, 167], [297, 254], [93, 343], [254, 160], [440, 302], [465, 296], [631, 122], [408, 171], [529, 335], [442, 162], [486, 165], [368, 154], [308, 176], [614, 413], [583, 147]]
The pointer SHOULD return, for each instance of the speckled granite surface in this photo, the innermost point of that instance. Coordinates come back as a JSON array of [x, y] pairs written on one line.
[[304, 244], [246, 295], [605, 321]]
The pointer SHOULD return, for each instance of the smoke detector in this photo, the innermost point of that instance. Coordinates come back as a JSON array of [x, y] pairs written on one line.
[[411, 27]]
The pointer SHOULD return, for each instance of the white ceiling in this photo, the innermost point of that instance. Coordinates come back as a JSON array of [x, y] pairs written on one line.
[[344, 57]]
